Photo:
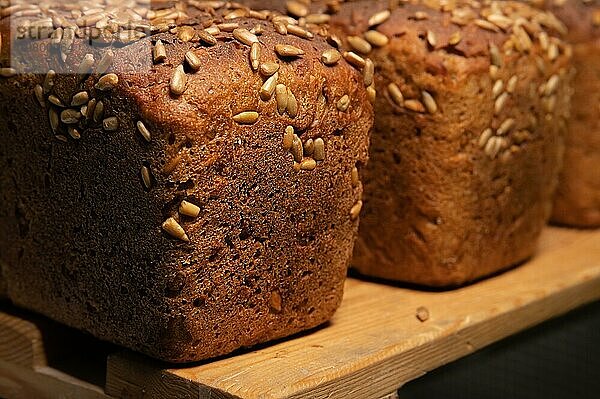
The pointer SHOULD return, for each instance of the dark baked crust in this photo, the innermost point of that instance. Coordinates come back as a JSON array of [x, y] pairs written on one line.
[[444, 205], [80, 235], [578, 198]]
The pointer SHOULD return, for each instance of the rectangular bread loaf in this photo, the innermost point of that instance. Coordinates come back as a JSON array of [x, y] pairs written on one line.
[[176, 177], [578, 199], [472, 99]]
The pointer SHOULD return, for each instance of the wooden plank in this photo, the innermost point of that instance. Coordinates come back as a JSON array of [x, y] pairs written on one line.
[[20, 342], [19, 382], [375, 344]]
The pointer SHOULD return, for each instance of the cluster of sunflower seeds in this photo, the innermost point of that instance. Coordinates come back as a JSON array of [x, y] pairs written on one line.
[[306, 155], [172, 225], [69, 117]]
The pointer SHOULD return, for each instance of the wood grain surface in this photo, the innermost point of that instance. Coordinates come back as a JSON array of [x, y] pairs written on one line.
[[375, 343]]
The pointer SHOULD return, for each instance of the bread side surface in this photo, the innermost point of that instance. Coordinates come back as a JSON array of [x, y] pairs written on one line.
[[578, 198], [94, 234]]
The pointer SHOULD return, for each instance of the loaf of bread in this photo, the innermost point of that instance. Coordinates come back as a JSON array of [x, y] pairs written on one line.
[[177, 177], [468, 138], [578, 198]]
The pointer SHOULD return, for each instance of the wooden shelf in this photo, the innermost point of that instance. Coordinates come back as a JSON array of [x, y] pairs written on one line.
[[375, 343]]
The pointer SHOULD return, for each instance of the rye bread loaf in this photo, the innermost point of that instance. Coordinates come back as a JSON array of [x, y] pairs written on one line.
[[468, 137], [578, 199], [184, 187]]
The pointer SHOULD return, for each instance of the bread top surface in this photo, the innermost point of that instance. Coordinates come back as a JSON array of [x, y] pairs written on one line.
[[221, 92]]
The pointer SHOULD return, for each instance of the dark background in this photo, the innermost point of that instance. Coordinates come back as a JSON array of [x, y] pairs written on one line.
[[557, 359]]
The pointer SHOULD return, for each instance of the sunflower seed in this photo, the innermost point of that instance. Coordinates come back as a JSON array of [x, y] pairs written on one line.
[[354, 177], [244, 36], [174, 229], [379, 18], [334, 41], [268, 68], [188, 209], [281, 96], [319, 150], [255, 56], [288, 138], [396, 94], [414, 105], [48, 84], [292, 104], [54, 120], [317, 19], [287, 50], [98, 111], [39, 95], [512, 84], [354, 59], [308, 164], [553, 51], [105, 62], [74, 133], [330, 56], [55, 100], [297, 149], [206, 37], [497, 88], [483, 24], [146, 177], [431, 38], [267, 89], [246, 117], [107, 82], [57, 35], [494, 70], [228, 27], [298, 31], [144, 131], [239, 13], [193, 60], [70, 116], [343, 103], [371, 94], [160, 52], [499, 103], [493, 146], [178, 81], [505, 127], [429, 102], [368, 72], [91, 107], [359, 45], [110, 124], [377, 39], [85, 66], [296, 8], [309, 147], [185, 33], [455, 38], [280, 27], [495, 56], [484, 137], [80, 98], [355, 211], [551, 85]]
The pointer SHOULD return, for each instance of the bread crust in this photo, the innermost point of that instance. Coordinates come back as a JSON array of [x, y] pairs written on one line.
[[80, 235]]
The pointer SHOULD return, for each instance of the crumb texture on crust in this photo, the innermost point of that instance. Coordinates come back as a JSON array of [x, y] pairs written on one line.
[[185, 190]]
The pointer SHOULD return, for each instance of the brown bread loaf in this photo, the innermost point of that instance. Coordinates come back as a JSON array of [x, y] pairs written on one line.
[[185, 186], [468, 138], [578, 198]]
